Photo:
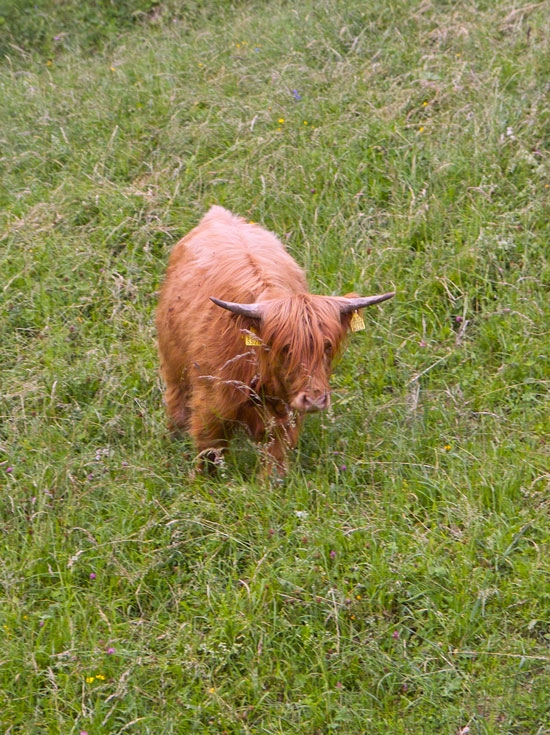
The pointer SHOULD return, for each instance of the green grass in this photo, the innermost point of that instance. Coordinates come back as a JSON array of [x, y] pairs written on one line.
[[398, 581]]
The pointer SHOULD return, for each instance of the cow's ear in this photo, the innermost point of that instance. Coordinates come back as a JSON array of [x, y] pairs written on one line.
[[351, 307], [347, 316]]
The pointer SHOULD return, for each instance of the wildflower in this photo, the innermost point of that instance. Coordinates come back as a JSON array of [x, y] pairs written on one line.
[[339, 685], [447, 447], [9, 470], [306, 122], [89, 679], [422, 343], [92, 575], [211, 690], [421, 129], [332, 554], [343, 468], [458, 319], [395, 634], [100, 677], [296, 95], [111, 650], [112, 68], [425, 103], [281, 120]]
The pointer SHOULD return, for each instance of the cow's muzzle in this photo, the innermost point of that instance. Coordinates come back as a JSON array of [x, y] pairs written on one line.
[[307, 402]]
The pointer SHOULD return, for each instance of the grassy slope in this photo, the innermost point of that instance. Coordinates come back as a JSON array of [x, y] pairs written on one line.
[[398, 581]]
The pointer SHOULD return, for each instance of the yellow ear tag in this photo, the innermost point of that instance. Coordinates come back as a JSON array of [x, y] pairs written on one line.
[[250, 340], [357, 324]]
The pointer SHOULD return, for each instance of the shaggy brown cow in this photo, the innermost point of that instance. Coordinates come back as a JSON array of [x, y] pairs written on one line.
[[241, 340]]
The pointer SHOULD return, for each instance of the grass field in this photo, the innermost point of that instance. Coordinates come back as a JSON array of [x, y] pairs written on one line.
[[399, 581]]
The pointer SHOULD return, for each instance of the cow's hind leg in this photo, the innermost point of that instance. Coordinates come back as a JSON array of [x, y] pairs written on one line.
[[176, 400]]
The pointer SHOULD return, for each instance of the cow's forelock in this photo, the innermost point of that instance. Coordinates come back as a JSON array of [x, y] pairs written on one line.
[[302, 335]]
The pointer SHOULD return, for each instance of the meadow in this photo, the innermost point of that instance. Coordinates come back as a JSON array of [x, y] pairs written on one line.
[[398, 581]]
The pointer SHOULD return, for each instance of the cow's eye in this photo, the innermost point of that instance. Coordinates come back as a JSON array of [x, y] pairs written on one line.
[[328, 348], [285, 350]]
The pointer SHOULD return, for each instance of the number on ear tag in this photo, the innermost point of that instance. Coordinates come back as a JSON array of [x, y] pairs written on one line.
[[357, 324], [250, 340]]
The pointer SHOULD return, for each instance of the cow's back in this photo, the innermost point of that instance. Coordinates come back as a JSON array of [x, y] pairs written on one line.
[[235, 260]]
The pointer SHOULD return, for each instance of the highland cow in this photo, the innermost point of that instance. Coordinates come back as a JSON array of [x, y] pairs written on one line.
[[242, 342]]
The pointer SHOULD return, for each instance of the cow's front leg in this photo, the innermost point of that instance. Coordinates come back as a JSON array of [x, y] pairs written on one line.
[[281, 437], [210, 437]]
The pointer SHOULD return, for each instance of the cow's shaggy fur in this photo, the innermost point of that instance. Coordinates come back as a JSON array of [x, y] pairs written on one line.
[[215, 383]]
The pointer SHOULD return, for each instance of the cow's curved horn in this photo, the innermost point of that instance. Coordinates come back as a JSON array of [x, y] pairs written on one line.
[[352, 304], [254, 311]]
